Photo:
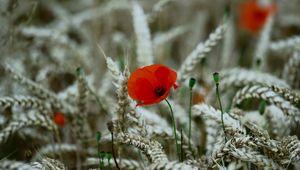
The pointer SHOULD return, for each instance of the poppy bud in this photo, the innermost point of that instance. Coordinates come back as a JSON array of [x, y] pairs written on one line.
[[192, 82], [110, 126], [108, 156], [98, 136], [216, 77]]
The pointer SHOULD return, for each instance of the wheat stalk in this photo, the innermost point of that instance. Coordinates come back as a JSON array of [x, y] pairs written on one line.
[[33, 134], [240, 148], [287, 94], [288, 43], [48, 163], [290, 147], [166, 133], [78, 19], [291, 70], [239, 77], [165, 37], [123, 100], [143, 36], [170, 166], [212, 136], [81, 127], [228, 45], [156, 9], [208, 112], [31, 119], [278, 124], [200, 52], [25, 102], [55, 149], [260, 54], [220, 151], [294, 150], [152, 149], [49, 35], [41, 92], [126, 163], [13, 165], [113, 68], [266, 93], [151, 117], [254, 157]]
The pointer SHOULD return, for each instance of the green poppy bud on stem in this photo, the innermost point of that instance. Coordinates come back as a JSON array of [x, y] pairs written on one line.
[[110, 126], [216, 77], [98, 136], [192, 82], [108, 155]]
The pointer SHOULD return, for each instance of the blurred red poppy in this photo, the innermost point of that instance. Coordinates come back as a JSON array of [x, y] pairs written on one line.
[[151, 84], [59, 119], [254, 15]]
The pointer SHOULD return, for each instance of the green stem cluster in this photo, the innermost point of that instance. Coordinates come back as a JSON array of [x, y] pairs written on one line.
[[102, 155]]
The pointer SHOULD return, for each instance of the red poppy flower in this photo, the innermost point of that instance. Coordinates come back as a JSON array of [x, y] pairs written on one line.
[[151, 84], [59, 119], [253, 15]]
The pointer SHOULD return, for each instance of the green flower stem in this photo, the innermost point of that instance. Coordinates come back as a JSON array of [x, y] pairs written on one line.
[[190, 118], [99, 156], [221, 108], [192, 83], [113, 150], [174, 129], [181, 142], [98, 137]]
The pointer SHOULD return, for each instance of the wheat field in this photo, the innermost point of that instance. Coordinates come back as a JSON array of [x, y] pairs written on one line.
[[66, 102]]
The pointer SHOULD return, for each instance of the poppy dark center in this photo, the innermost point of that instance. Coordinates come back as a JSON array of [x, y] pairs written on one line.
[[159, 91], [259, 15]]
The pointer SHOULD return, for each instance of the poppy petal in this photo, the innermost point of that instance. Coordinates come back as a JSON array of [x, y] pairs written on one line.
[[157, 100], [162, 75], [165, 76], [151, 84], [59, 119], [145, 90], [140, 85], [253, 15], [141, 89]]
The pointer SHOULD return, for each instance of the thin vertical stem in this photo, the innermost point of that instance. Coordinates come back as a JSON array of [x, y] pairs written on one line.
[[221, 108], [174, 129], [99, 156], [190, 118], [108, 162], [58, 139], [113, 150], [181, 142]]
